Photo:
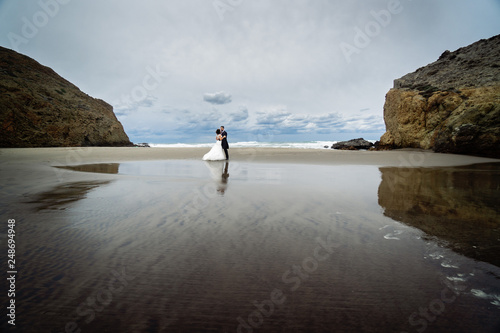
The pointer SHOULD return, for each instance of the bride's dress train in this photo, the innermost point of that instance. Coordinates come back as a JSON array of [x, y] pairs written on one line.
[[216, 153]]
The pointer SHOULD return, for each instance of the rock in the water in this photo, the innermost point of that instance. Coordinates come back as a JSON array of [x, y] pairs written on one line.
[[451, 105], [352, 144], [38, 108]]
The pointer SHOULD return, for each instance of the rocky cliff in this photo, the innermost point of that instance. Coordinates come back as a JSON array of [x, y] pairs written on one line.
[[451, 105], [38, 108]]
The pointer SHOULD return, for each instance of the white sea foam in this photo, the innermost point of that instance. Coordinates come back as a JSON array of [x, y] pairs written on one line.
[[456, 278], [479, 293], [493, 298], [394, 234], [448, 264], [436, 256], [253, 144]]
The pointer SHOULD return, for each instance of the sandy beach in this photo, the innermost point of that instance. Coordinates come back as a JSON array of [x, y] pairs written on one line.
[[295, 240], [33, 168], [400, 157], [361, 192]]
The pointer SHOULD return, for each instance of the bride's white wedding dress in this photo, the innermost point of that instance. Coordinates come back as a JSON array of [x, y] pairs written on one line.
[[216, 153]]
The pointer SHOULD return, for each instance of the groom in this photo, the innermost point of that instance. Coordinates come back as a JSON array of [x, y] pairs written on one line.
[[224, 143]]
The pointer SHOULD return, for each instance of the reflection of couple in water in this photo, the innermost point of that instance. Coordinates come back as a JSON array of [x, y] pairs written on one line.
[[219, 171]]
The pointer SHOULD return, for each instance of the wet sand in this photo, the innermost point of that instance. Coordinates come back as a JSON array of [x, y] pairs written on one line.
[[31, 169], [276, 240]]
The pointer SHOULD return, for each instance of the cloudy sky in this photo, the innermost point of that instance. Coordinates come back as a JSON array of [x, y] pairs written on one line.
[[269, 70]]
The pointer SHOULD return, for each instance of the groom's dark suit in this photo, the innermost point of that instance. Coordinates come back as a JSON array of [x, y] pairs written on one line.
[[224, 143]]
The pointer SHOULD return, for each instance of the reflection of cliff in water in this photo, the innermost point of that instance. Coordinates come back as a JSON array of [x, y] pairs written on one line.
[[98, 168], [459, 205], [61, 196]]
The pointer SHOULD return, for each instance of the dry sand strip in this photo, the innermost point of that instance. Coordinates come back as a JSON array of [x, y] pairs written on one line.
[[86, 155]]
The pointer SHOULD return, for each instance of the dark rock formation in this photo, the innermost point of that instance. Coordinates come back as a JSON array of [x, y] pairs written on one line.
[[457, 205], [142, 145], [378, 146], [38, 108], [451, 105], [353, 144]]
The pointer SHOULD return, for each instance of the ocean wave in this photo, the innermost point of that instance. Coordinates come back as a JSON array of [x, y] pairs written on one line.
[[254, 144]]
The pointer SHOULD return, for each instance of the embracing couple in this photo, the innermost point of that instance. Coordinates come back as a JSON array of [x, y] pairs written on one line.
[[219, 150]]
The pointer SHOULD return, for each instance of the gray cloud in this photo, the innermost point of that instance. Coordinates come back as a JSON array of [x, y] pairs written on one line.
[[217, 98], [238, 116], [126, 105], [283, 122], [281, 60]]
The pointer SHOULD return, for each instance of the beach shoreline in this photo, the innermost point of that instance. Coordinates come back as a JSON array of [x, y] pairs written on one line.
[[83, 155], [33, 170]]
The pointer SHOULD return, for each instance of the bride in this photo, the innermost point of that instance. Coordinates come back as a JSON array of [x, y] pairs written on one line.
[[216, 153]]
